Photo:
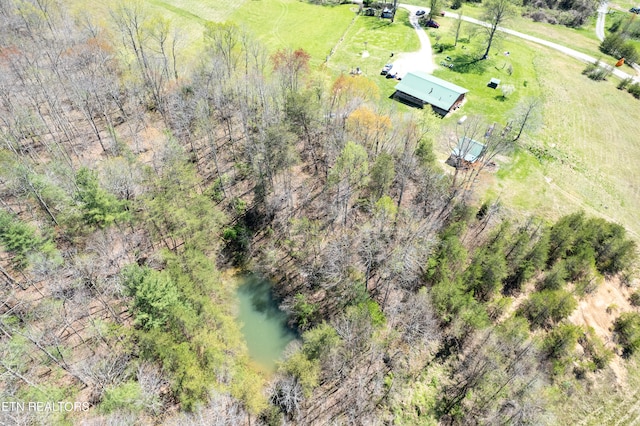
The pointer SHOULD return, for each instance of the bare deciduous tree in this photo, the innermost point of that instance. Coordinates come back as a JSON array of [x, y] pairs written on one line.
[[496, 13]]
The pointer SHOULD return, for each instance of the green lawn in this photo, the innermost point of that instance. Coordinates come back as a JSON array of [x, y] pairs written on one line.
[[590, 135], [517, 69], [624, 4], [588, 129], [293, 23], [201, 10], [581, 39], [382, 37]]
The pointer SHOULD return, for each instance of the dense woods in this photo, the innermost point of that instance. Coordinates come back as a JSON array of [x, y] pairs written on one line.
[[133, 185]]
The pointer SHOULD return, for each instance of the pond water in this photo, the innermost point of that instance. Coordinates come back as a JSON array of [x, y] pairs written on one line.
[[264, 325]]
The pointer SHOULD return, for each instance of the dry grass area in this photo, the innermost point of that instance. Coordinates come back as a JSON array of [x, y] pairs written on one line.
[[588, 132]]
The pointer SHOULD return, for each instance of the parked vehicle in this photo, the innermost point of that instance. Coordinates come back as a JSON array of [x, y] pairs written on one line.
[[421, 12], [432, 24], [386, 69], [635, 10]]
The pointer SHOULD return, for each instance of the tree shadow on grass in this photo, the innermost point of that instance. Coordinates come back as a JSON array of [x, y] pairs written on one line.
[[375, 23], [469, 63]]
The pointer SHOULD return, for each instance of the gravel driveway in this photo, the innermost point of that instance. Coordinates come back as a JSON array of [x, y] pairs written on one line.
[[422, 60]]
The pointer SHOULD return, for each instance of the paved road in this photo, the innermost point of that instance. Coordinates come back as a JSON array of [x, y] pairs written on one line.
[[566, 50]]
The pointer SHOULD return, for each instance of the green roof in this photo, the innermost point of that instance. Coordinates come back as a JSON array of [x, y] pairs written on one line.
[[430, 89], [468, 149]]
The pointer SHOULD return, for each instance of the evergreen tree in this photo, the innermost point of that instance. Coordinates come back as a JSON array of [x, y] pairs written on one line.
[[99, 208]]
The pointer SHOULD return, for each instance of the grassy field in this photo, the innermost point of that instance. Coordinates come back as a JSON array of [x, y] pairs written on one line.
[[623, 4], [277, 23], [517, 69], [581, 39], [588, 132], [293, 23], [382, 37]]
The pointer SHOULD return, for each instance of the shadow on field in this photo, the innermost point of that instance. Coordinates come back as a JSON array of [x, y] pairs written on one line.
[[470, 63]]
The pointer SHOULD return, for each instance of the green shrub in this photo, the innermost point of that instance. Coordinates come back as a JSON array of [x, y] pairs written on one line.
[[21, 240], [126, 396], [624, 83], [305, 370], [304, 311], [594, 349], [547, 307], [598, 73], [618, 46], [634, 89], [561, 341], [319, 341], [155, 295], [484, 275], [628, 328], [554, 279], [635, 298], [443, 47], [99, 208]]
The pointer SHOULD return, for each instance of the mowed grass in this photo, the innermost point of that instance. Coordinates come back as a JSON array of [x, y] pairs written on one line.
[[589, 129], [517, 69], [590, 133], [582, 39], [296, 24], [624, 4], [276, 23], [382, 37], [202, 11]]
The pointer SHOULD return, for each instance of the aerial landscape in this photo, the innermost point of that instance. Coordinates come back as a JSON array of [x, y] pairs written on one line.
[[317, 212]]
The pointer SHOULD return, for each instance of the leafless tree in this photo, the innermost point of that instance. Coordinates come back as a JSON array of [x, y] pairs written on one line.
[[496, 13], [152, 383], [104, 370], [526, 116], [220, 410]]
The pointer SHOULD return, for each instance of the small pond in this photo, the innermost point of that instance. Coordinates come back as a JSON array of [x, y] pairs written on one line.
[[264, 325]]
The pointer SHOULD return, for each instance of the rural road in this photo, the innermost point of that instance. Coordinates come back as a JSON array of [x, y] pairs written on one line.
[[602, 12], [566, 50]]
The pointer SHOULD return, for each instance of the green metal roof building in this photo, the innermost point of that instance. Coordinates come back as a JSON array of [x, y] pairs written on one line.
[[468, 149], [419, 88]]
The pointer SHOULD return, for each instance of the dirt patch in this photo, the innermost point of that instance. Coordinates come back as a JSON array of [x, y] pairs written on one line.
[[599, 310]]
